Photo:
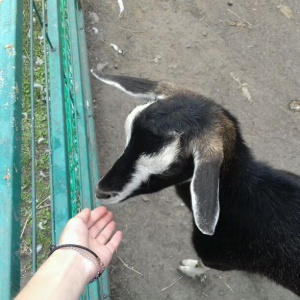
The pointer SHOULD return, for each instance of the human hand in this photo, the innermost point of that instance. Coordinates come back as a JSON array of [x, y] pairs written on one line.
[[94, 230], [66, 272]]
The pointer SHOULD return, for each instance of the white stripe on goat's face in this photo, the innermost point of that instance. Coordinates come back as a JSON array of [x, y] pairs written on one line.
[[145, 166], [131, 117]]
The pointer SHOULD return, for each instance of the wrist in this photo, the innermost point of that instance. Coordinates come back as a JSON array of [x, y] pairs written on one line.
[[64, 275], [76, 262]]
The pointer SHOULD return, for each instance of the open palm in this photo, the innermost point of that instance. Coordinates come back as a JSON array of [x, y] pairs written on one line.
[[95, 230]]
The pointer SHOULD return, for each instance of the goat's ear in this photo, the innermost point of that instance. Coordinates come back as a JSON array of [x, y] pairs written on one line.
[[205, 189], [137, 87]]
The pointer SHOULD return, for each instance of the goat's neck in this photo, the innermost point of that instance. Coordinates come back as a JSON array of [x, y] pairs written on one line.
[[238, 166]]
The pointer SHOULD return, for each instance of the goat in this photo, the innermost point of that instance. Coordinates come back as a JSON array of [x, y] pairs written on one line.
[[246, 214]]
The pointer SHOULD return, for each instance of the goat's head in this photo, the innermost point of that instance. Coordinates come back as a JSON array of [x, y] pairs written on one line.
[[177, 136]]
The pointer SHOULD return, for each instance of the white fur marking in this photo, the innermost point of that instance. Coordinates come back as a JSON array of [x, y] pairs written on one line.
[[190, 262], [192, 267], [161, 97], [145, 166], [191, 272], [158, 163], [131, 117]]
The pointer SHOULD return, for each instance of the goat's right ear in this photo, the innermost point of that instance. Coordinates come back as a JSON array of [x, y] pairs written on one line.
[[137, 87], [205, 189]]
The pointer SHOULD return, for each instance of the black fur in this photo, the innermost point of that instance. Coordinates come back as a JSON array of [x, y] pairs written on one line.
[[259, 224]]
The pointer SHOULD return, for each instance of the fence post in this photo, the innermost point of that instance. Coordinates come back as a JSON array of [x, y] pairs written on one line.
[[11, 26]]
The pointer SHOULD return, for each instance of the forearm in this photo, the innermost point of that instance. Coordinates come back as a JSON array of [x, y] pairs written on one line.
[[63, 276]]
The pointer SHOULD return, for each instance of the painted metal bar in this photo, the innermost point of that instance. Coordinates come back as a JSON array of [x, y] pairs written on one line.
[[33, 169], [70, 106], [85, 128], [11, 23], [60, 197], [85, 183], [86, 188], [46, 68], [71, 96]]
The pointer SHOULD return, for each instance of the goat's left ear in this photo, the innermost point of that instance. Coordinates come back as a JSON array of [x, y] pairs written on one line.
[[205, 188]]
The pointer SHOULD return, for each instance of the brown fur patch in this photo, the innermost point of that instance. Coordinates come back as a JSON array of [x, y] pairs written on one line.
[[216, 143], [228, 135], [165, 89]]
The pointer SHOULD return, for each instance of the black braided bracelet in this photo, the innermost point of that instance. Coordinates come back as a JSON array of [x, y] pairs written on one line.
[[100, 264]]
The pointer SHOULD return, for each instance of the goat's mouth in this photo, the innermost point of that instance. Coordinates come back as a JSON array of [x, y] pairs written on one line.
[[107, 197], [104, 195]]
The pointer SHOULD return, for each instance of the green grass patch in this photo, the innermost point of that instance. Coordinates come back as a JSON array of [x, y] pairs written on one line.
[[41, 154]]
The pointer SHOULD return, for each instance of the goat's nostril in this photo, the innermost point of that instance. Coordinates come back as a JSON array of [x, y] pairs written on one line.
[[104, 195]]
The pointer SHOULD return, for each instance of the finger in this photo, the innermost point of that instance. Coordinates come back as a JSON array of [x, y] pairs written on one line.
[[114, 242], [105, 235], [96, 214], [97, 227], [84, 215]]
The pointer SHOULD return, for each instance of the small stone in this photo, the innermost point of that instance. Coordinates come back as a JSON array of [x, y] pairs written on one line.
[[101, 66], [157, 58], [116, 66], [40, 140], [39, 249], [230, 3], [145, 198], [173, 66], [94, 17], [145, 8], [95, 30], [204, 32], [295, 106], [187, 45], [39, 61]]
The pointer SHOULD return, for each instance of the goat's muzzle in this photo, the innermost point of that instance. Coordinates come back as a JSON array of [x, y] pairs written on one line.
[[100, 194]]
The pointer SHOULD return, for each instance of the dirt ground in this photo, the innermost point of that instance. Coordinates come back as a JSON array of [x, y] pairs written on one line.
[[246, 57]]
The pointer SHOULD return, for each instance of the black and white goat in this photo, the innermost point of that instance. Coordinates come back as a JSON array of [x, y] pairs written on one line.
[[246, 214]]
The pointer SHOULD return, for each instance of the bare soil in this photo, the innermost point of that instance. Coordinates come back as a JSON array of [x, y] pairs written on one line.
[[245, 55]]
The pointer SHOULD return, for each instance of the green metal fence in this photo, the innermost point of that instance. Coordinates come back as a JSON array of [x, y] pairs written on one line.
[[73, 155], [10, 145]]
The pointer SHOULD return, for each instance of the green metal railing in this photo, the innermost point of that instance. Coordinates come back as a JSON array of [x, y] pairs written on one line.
[[73, 156], [10, 145], [70, 106]]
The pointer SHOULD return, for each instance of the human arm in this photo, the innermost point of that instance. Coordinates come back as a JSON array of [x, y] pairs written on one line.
[[66, 272]]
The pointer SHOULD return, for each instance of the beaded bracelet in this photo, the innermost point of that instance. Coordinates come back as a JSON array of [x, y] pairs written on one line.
[[96, 260]]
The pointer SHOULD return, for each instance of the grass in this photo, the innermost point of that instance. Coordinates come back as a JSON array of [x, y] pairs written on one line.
[[42, 153]]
